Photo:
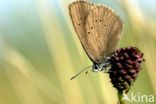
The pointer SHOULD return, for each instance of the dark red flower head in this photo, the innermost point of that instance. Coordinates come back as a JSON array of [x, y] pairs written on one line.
[[125, 66]]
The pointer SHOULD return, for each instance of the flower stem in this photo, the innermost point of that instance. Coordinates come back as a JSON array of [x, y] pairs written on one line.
[[120, 97]]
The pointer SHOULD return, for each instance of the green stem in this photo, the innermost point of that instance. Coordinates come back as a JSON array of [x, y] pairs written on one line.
[[120, 97]]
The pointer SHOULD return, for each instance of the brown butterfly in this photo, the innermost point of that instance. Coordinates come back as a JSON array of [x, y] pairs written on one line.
[[99, 30]]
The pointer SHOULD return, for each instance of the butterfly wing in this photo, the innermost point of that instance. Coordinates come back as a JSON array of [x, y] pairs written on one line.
[[78, 11], [103, 29]]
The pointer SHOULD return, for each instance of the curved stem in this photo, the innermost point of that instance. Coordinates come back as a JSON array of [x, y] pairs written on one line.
[[120, 97]]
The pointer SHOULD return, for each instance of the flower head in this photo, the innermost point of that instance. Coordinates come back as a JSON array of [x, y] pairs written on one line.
[[125, 66]]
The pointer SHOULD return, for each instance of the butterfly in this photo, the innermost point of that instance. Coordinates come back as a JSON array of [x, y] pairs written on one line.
[[99, 29]]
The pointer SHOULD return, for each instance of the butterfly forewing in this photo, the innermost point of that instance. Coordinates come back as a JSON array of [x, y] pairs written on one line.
[[103, 29], [98, 28], [78, 11]]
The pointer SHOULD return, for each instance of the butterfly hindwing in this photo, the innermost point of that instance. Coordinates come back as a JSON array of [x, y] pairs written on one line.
[[103, 29], [98, 28]]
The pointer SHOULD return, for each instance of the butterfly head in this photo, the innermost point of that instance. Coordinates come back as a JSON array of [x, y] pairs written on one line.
[[102, 65]]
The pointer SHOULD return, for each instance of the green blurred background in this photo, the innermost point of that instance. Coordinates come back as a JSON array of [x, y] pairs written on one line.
[[40, 52]]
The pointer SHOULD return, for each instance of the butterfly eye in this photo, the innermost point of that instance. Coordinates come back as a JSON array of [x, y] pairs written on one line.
[[100, 20], [81, 18], [91, 27], [105, 25], [88, 32], [95, 20]]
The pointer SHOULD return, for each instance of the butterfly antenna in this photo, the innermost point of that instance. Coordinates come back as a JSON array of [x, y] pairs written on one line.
[[80, 72]]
